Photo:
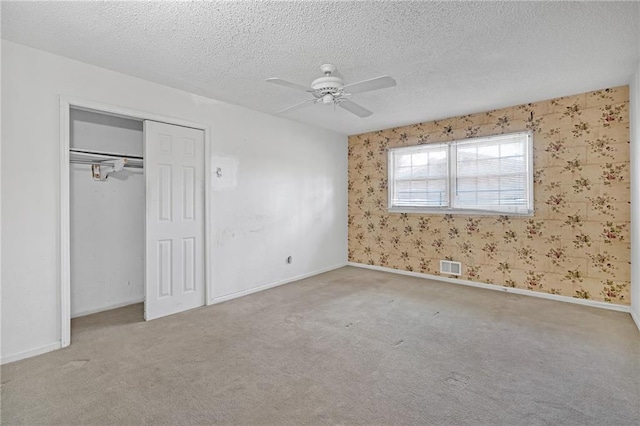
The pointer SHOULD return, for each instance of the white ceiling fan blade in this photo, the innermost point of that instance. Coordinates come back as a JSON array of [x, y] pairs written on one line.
[[297, 106], [288, 84], [367, 85], [354, 108]]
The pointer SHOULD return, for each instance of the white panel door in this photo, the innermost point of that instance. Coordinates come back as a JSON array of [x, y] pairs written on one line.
[[174, 173]]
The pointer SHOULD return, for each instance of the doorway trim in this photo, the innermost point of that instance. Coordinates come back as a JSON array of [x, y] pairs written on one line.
[[66, 104]]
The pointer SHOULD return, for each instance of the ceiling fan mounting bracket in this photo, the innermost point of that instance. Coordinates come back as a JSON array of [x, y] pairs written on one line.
[[328, 69]]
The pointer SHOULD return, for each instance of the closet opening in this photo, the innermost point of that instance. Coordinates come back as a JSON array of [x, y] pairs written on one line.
[[134, 214], [106, 211]]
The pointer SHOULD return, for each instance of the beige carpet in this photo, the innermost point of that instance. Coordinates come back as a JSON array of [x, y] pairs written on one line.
[[351, 346]]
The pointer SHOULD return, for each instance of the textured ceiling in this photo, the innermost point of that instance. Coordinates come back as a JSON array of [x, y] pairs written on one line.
[[449, 58]]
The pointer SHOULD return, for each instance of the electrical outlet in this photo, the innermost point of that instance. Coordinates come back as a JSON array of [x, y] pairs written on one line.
[[289, 259]]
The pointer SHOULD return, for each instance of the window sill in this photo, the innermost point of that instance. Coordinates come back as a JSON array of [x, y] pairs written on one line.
[[442, 211]]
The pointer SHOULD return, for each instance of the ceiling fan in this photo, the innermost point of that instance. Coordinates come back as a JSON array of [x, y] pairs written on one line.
[[330, 89]]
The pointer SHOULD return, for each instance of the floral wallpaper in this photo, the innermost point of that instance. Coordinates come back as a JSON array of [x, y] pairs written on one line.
[[576, 244]]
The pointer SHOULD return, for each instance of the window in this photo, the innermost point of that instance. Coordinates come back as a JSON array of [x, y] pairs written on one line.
[[488, 175]]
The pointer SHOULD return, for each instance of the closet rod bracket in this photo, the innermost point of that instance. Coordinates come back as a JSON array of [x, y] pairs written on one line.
[[101, 171]]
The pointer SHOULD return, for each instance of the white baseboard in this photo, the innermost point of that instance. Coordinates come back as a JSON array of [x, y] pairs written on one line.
[[636, 318], [237, 294], [566, 299], [31, 352], [106, 308]]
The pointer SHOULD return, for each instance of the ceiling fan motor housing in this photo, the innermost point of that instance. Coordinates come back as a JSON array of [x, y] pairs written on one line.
[[327, 85]]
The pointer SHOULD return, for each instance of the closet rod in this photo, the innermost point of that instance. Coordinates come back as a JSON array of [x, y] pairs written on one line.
[[105, 154], [88, 157]]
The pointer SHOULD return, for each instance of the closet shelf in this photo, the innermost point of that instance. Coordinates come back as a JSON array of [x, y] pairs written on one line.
[[84, 156]]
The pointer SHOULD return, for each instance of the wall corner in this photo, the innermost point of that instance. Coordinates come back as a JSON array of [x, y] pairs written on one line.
[[634, 134]]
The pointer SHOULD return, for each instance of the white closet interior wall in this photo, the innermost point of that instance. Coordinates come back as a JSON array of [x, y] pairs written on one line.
[[107, 218]]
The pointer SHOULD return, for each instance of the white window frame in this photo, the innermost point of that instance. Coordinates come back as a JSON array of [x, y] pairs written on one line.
[[451, 180]]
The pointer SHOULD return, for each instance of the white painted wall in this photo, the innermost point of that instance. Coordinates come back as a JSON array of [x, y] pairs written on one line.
[[634, 120], [107, 217], [289, 198], [99, 132], [1, 187]]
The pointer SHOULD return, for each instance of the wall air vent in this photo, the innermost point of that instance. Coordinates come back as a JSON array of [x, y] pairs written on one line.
[[450, 267]]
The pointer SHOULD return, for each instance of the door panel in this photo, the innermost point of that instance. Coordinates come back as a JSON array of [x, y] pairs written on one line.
[[174, 173]]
